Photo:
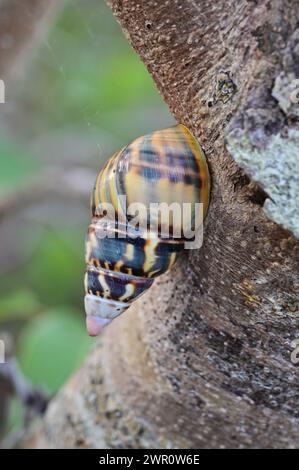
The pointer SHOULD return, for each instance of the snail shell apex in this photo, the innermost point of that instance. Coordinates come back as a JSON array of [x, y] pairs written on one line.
[[166, 166]]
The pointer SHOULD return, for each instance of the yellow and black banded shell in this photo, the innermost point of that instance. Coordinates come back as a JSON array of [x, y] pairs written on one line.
[[166, 166]]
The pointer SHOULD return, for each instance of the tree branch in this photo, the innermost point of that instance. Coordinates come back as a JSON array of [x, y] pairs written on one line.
[[21, 24], [13, 383], [74, 183]]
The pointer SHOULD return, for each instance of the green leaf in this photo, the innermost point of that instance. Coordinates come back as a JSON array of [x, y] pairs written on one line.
[[19, 304], [17, 167], [15, 416], [56, 270], [52, 346]]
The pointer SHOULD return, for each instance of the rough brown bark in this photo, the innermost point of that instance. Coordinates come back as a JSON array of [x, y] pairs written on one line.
[[204, 358]]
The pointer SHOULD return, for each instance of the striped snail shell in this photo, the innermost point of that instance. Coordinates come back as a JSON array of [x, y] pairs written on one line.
[[166, 166]]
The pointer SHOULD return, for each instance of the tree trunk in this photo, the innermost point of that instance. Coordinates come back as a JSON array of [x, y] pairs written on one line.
[[204, 358]]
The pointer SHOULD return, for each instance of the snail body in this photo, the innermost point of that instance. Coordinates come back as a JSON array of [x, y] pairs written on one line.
[[122, 258]]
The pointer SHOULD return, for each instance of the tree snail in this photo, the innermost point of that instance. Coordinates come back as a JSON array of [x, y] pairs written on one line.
[[129, 241]]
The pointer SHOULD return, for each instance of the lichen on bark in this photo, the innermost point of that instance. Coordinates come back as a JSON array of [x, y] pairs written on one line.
[[263, 138]]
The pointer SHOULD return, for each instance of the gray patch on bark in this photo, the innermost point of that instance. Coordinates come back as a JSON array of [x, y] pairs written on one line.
[[264, 140], [276, 168], [286, 86]]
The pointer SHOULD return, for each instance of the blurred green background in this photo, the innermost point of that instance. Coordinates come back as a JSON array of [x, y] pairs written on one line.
[[84, 94]]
